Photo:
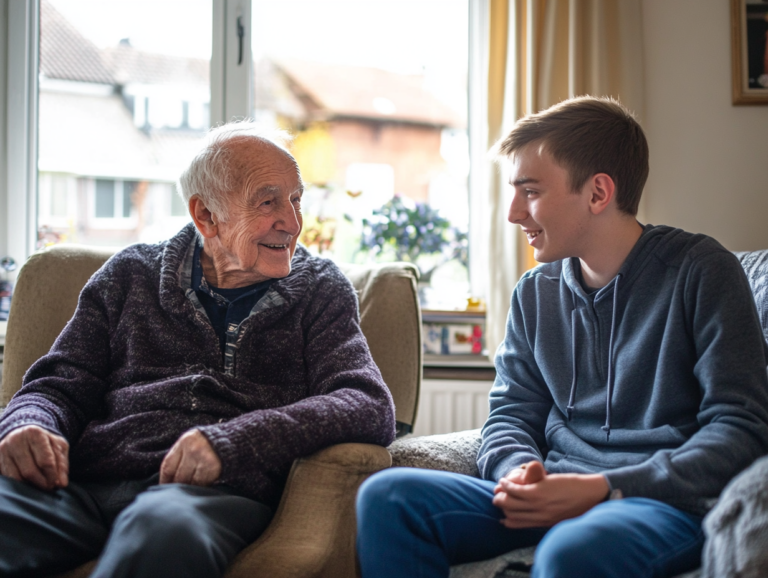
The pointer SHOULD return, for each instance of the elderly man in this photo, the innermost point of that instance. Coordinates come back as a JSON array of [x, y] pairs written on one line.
[[159, 430]]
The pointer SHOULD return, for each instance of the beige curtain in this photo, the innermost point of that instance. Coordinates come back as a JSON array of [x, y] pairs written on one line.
[[540, 53]]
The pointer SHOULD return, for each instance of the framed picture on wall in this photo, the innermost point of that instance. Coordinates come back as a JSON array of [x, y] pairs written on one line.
[[749, 51]]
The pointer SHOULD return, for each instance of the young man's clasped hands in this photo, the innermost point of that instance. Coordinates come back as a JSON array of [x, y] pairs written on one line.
[[531, 498]]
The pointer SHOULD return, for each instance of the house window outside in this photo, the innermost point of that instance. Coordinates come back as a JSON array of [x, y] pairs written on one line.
[[113, 199], [130, 188], [105, 199]]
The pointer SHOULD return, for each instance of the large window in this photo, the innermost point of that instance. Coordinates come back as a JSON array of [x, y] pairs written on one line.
[[374, 91]]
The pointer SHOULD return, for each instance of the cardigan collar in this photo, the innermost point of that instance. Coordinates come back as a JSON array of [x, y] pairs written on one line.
[[175, 274]]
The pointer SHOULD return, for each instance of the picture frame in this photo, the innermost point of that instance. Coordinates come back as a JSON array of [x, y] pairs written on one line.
[[749, 51]]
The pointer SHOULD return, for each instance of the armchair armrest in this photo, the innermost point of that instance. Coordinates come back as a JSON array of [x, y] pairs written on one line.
[[313, 531]]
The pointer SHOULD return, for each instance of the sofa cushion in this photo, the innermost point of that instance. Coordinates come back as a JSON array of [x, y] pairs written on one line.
[[755, 265], [737, 527], [453, 452]]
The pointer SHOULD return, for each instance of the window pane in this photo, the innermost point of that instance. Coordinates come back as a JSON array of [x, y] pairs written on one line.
[[375, 92], [105, 199], [124, 97], [130, 190]]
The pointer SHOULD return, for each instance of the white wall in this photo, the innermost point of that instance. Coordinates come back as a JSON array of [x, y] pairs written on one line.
[[709, 159]]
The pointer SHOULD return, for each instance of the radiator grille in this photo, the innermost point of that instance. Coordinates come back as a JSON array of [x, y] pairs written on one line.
[[448, 405]]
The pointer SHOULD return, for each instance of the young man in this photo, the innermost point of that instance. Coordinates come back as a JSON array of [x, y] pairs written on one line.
[[633, 367]]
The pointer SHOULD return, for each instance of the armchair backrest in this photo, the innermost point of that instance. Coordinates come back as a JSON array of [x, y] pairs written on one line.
[[390, 317], [50, 282], [45, 298]]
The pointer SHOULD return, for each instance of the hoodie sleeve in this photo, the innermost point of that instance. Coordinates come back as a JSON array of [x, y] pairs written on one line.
[[519, 402], [347, 400], [730, 366]]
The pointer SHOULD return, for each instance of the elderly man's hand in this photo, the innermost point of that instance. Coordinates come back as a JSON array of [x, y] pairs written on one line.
[[191, 460], [35, 455], [529, 497]]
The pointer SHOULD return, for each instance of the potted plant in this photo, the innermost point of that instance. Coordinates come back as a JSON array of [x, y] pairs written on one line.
[[416, 234]]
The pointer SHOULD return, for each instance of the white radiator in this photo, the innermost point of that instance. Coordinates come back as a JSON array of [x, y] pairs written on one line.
[[448, 405]]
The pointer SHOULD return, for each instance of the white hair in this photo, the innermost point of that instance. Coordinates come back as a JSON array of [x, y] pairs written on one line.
[[209, 174]]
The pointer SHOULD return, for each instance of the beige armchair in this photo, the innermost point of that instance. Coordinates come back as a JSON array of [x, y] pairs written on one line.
[[313, 531]]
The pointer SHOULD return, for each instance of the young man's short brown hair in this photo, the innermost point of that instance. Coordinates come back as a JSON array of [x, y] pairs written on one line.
[[586, 136]]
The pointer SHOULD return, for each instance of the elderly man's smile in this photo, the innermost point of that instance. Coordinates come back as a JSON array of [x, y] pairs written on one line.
[[275, 247]]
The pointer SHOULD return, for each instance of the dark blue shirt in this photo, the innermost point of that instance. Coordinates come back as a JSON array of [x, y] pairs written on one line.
[[226, 308]]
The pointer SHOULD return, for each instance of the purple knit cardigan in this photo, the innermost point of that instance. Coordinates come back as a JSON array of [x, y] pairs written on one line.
[[138, 365]]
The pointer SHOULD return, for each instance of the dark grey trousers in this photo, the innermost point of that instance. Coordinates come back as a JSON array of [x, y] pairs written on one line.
[[138, 528]]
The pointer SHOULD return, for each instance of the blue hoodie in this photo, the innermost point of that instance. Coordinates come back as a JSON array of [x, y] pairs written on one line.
[[657, 380]]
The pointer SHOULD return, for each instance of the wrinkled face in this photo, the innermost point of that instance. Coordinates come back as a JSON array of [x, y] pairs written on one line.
[[265, 220], [553, 217]]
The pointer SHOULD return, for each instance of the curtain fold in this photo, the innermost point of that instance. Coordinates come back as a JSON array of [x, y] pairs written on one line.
[[541, 52]]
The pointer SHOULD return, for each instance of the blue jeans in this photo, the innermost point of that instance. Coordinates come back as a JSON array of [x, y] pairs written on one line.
[[417, 523]]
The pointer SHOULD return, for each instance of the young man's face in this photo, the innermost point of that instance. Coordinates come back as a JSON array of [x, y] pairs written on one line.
[[553, 217]]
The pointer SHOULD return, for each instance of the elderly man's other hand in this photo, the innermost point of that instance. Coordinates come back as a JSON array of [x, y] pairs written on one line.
[[35, 455], [191, 460]]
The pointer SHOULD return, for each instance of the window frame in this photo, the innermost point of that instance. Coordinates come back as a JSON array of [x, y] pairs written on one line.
[[20, 23]]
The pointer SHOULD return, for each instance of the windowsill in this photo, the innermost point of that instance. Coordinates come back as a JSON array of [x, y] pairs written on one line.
[[461, 360], [460, 373], [461, 367], [457, 316]]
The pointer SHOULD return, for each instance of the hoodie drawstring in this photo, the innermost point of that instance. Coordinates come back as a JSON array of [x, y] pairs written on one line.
[[572, 396], [607, 427], [609, 394]]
